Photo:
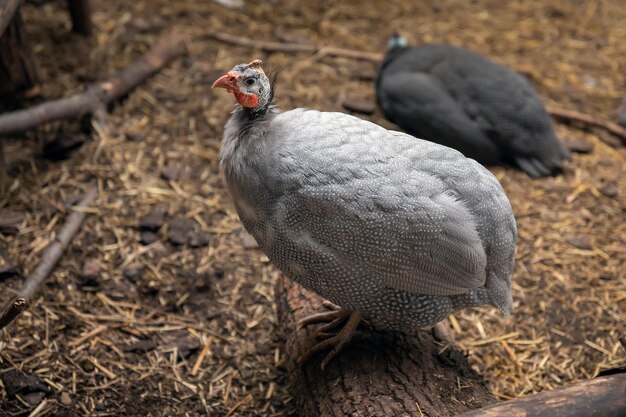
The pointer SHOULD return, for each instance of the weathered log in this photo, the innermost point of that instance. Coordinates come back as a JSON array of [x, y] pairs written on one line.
[[385, 374], [98, 96], [600, 397]]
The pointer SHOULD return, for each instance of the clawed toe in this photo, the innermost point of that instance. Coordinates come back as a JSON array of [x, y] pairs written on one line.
[[327, 316], [334, 341]]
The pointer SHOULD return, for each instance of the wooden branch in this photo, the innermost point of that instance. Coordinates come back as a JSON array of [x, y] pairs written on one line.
[[614, 128], [99, 95], [385, 374], [295, 47], [600, 397], [54, 251], [80, 12], [14, 309]]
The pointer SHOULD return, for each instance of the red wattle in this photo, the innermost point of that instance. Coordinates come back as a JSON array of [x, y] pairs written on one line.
[[247, 100]]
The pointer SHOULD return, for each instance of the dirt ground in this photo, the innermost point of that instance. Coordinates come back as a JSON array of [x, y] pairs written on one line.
[[178, 319]]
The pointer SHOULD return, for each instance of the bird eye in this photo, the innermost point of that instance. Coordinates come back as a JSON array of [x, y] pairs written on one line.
[[249, 81]]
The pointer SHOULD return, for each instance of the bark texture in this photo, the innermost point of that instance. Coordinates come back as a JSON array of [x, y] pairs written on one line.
[[381, 374], [600, 397]]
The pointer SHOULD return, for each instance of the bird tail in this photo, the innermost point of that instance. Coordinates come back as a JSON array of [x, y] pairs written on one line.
[[500, 293]]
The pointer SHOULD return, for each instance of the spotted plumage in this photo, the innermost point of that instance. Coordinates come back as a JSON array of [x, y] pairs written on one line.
[[403, 230]]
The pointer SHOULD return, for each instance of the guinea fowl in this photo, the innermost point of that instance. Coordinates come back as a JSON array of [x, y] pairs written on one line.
[[460, 99], [394, 229]]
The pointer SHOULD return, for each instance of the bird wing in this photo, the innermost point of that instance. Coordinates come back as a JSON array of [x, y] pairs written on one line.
[[420, 103], [370, 197], [505, 106]]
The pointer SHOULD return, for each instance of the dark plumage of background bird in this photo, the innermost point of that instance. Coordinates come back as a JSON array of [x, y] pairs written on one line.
[[460, 99]]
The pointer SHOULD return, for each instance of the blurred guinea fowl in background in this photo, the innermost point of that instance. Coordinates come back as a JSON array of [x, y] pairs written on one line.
[[460, 99], [392, 228]]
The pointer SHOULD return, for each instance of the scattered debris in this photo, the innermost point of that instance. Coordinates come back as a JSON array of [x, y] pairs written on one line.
[[19, 383], [581, 242], [153, 220], [171, 172], [609, 189], [180, 230], [10, 222], [91, 269], [65, 399], [141, 346], [147, 237], [134, 271], [247, 240], [181, 341], [90, 274], [199, 239]]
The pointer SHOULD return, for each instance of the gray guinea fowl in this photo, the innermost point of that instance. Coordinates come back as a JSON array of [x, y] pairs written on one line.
[[460, 99], [394, 229]]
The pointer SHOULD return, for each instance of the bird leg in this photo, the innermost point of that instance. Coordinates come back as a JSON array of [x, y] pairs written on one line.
[[336, 341]]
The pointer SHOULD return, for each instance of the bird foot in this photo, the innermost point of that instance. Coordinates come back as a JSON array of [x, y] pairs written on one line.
[[325, 317], [334, 341]]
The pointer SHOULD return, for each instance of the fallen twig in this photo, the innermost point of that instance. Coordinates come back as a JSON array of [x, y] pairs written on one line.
[[565, 114], [98, 96], [14, 309], [55, 249], [295, 47]]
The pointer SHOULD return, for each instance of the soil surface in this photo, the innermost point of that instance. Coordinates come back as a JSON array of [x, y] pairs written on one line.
[[161, 306]]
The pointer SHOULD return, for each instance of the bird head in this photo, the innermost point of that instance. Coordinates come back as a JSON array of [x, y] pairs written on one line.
[[248, 83], [396, 41]]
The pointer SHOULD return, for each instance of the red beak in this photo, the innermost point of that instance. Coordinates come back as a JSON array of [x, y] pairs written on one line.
[[228, 81]]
